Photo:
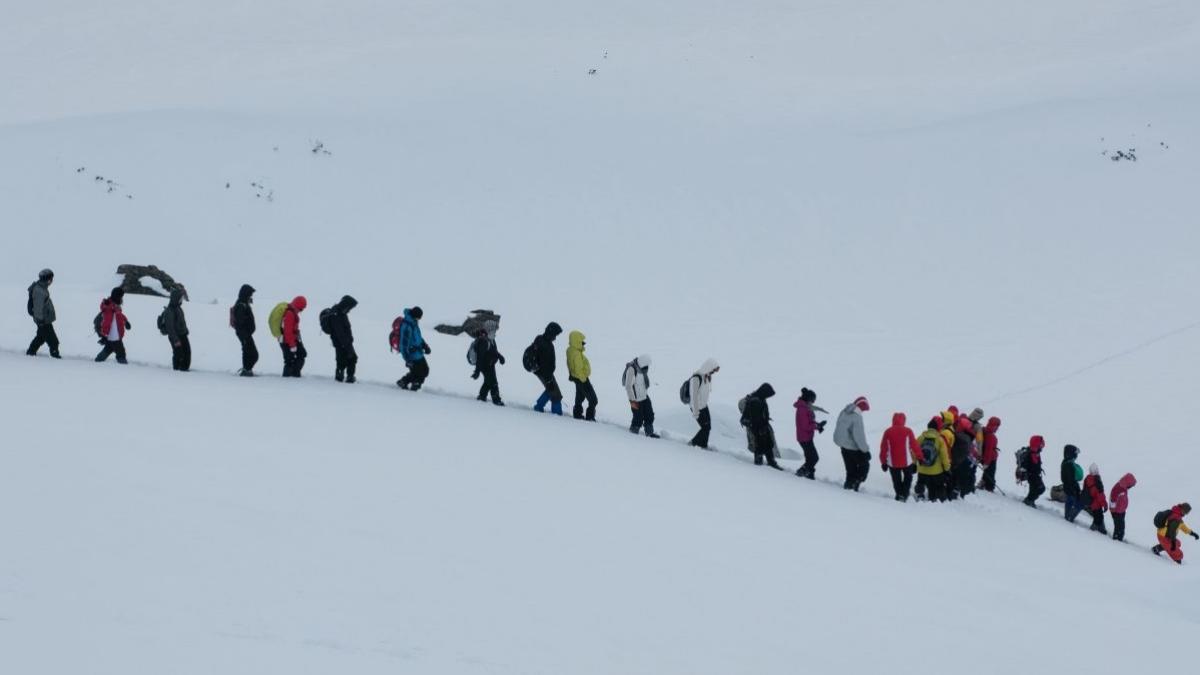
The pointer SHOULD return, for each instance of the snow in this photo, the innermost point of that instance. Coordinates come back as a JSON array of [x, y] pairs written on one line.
[[912, 201]]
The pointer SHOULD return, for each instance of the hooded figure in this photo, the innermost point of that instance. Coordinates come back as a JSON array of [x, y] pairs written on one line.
[[933, 462], [41, 310], [342, 336], [113, 325], [175, 326], [487, 355], [1032, 466], [1119, 503], [1071, 473], [898, 454], [850, 436], [962, 454], [414, 349], [699, 391], [580, 371], [241, 319], [294, 353], [637, 387], [756, 419], [545, 363], [1168, 532], [990, 454], [1094, 500], [807, 428]]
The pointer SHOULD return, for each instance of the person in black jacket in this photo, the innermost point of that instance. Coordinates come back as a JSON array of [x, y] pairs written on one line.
[[543, 347], [175, 325], [241, 318], [487, 355], [41, 308], [342, 338], [1070, 482], [961, 467], [756, 418]]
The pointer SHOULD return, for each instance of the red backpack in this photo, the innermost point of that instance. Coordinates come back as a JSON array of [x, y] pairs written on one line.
[[394, 336]]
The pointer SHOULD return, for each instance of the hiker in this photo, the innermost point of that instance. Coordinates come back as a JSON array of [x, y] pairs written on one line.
[[699, 389], [1170, 524], [539, 359], [579, 371], [897, 453], [336, 322], [961, 460], [413, 349], [1094, 500], [1119, 504], [113, 325], [174, 326], [949, 422], [487, 354], [41, 309], [933, 462], [290, 343], [756, 420], [807, 427], [990, 454], [241, 319], [1030, 467], [852, 439], [1071, 473], [637, 387]]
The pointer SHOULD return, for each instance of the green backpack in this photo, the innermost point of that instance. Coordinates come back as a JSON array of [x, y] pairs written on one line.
[[275, 320]]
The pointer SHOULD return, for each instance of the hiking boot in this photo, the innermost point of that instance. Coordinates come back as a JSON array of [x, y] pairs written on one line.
[[30, 352], [339, 376], [123, 362], [245, 373], [350, 379], [498, 402], [402, 384], [650, 434], [55, 355], [1157, 549]]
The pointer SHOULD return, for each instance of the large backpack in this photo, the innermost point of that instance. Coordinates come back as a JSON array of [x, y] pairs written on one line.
[[529, 359], [1022, 470], [685, 391], [472, 357], [743, 404], [325, 319], [929, 451], [1161, 518], [98, 325], [162, 321], [275, 320], [232, 322], [394, 336], [29, 305]]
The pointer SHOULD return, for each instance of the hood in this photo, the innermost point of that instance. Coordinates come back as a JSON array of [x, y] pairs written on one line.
[[948, 419], [299, 303], [552, 331], [765, 391], [177, 296], [708, 367], [1036, 442], [347, 303], [245, 292], [1093, 470], [490, 327], [643, 361], [117, 295], [976, 414], [576, 339], [899, 419], [935, 423], [1070, 452], [993, 424], [965, 425], [1127, 481]]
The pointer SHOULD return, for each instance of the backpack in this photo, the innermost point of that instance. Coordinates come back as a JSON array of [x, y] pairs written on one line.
[[529, 359], [232, 323], [472, 357], [98, 324], [275, 320], [394, 336], [1161, 518], [162, 321], [743, 403], [29, 305], [685, 391], [929, 452], [325, 319], [1022, 471]]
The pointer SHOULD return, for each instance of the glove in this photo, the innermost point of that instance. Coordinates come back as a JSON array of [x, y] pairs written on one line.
[[475, 375], [633, 404], [1195, 536], [427, 349], [128, 326], [821, 427], [501, 359], [883, 468]]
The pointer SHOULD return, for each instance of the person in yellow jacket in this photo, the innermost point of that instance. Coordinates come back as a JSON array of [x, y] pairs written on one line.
[[933, 463], [580, 371]]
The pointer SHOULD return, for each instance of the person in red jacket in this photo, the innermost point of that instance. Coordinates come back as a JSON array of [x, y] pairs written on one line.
[[1118, 503], [292, 345], [897, 454], [113, 325], [990, 453], [1032, 467], [1095, 501], [1168, 532], [807, 427]]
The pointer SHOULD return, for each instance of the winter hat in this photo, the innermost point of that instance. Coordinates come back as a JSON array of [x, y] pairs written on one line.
[[808, 395], [299, 303], [936, 423], [1093, 470], [417, 313], [1070, 451], [1185, 508], [952, 409], [862, 403], [1036, 442], [46, 274], [644, 360], [976, 415], [965, 424], [117, 295]]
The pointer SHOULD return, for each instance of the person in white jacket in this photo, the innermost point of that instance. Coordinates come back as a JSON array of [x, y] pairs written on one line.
[[637, 385], [852, 439], [699, 389]]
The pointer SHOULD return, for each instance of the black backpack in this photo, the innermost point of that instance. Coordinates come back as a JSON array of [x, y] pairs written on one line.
[[1160, 518], [162, 321], [325, 318], [29, 305], [929, 452], [685, 390], [472, 357], [98, 324], [530, 358], [1022, 470]]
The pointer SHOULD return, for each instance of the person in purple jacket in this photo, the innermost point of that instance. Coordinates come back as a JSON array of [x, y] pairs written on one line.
[[807, 427]]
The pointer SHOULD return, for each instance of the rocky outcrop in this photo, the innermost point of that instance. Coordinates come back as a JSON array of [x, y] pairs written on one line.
[[472, 325], [132, 283]]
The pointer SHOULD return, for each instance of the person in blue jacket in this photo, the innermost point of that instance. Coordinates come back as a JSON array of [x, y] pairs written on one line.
[[414, 350]]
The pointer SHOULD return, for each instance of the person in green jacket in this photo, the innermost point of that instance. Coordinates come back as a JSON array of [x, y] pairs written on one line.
[[580, 371]]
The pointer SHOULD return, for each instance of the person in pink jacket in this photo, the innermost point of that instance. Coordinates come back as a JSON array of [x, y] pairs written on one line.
[[1118, 503], [807, 427]]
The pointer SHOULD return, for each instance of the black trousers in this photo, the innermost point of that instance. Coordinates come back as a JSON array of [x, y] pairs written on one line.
[[1098, 521], [704, 419], [249, 351], [902, 480], [584, 391], [112, 347], [1119, 526], [491, 385], [964, 478], [1037, 487], [762, 444], [858, 465], [989, 477], [932, 486], [417, 372], [293, 363], [643, 417], [45, 336], [181, 354], [810, 459], [346, 358]]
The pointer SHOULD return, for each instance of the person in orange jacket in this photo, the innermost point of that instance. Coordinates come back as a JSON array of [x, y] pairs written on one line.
[[897, 455], [1170, 524]]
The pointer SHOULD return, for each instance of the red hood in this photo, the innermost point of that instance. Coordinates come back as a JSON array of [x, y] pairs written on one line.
[[993, 424], [299, 303], [1127, 481], [899, 420]]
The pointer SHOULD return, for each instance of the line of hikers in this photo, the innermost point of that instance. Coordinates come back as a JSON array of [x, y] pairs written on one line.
[[944, 457]]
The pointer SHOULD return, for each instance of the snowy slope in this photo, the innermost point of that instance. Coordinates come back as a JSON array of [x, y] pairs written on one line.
[[912, 201]]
